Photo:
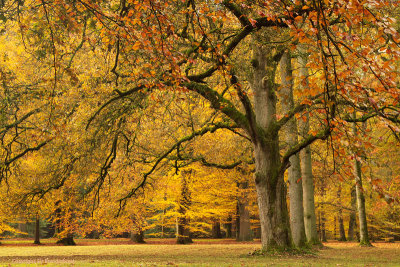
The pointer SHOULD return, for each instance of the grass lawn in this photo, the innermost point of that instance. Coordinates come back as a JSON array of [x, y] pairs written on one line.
[[120, 252]]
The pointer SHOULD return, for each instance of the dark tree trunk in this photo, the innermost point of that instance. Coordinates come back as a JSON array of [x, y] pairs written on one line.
[[352, 219], [138, 237], [67, 241], [237, 221], [228, 227], [183, 232], [37, 231], [342, 232], [93, 234], [334, 228], [323, 230], [216, 229]]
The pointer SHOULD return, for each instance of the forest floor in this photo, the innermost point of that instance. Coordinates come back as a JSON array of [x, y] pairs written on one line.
[[204, 252]]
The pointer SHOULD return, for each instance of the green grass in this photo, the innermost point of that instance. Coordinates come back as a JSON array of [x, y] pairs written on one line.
[[202, 253]]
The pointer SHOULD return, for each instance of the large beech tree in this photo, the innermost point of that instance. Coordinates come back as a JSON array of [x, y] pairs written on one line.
[[228, 52]]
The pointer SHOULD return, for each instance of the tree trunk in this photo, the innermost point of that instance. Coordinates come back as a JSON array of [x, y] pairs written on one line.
[[37, 231], [244, 233], [216, 229], [334, 227], [67, 241], [237, 221], [310, 220], [323, 230], [294, 172], [352, 219], [138, 237], [342, 233], [270, 186], [244, 223], [228, 227], [183, 230], [362, 216]]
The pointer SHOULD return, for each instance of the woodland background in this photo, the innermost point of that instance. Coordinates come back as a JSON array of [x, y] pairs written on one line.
[[166, 119]]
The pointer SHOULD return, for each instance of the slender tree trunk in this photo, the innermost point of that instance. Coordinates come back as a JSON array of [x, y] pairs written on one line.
[[270, 186], [342, 233], [362, 215], [322, 216], [323, 239], [228, 227], [352, 219], [334, 228], [183, 230], [237, 221], [37, 230], [163, 217], [310, 220], [319, 226], [295, 182]]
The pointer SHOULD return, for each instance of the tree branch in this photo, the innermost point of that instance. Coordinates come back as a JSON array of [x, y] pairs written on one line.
[[323, 134], [200, 132]]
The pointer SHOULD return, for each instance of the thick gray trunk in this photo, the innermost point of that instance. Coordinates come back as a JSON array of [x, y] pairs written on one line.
[[310, 220], [362, 215], [270, 186], [294, 175]]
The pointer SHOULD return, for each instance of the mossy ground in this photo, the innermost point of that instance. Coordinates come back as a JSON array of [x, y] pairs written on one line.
[[120, 252]]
